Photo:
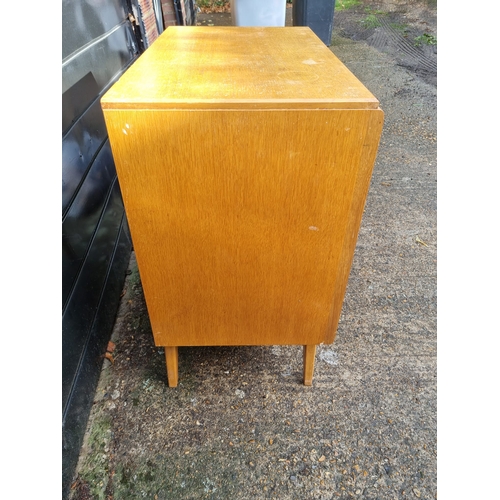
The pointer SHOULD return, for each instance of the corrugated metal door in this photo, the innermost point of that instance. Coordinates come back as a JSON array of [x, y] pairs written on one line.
[[100, 39]]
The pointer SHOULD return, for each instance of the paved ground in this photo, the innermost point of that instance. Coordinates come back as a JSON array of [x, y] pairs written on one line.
[[241, 425]]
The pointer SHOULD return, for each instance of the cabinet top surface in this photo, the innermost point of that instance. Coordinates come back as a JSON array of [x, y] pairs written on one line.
[[197, 67]]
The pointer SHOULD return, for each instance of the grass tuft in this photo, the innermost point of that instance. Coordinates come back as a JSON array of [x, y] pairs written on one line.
[[346, 4], [370, 21]]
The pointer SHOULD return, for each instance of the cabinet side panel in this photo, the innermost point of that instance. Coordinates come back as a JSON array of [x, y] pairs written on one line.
[[369, 149], [239, 218]]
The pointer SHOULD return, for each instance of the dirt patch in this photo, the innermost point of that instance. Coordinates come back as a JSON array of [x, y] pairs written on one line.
[[405, 30]]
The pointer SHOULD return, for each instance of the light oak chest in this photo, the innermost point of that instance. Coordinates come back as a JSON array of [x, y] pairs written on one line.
[[244, 156]]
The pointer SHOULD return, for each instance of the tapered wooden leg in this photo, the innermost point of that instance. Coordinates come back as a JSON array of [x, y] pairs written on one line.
[[172, 360], [309, 354]]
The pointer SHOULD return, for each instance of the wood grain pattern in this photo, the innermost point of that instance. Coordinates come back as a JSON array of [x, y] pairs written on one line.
[[309, 355], [239, 68], [239, 219], [172, 362], [368, 150]]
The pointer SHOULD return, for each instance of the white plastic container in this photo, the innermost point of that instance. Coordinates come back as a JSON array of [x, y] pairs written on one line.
[[258, 12]]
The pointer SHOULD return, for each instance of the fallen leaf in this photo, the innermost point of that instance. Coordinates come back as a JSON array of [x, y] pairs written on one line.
[[109, 356], [418, 240], [111, 346]]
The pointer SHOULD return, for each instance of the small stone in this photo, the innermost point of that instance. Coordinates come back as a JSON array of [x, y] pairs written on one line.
[[116, 394], [271, 441], [293, 478], [358, 492], [416, 492], [321, 458]]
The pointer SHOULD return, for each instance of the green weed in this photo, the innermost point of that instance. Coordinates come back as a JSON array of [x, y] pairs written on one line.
[[346, 4], [425, 39], [95, 469], [370, 21]]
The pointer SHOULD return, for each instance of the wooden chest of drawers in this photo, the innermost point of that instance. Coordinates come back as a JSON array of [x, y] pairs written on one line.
[[244, 156]]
